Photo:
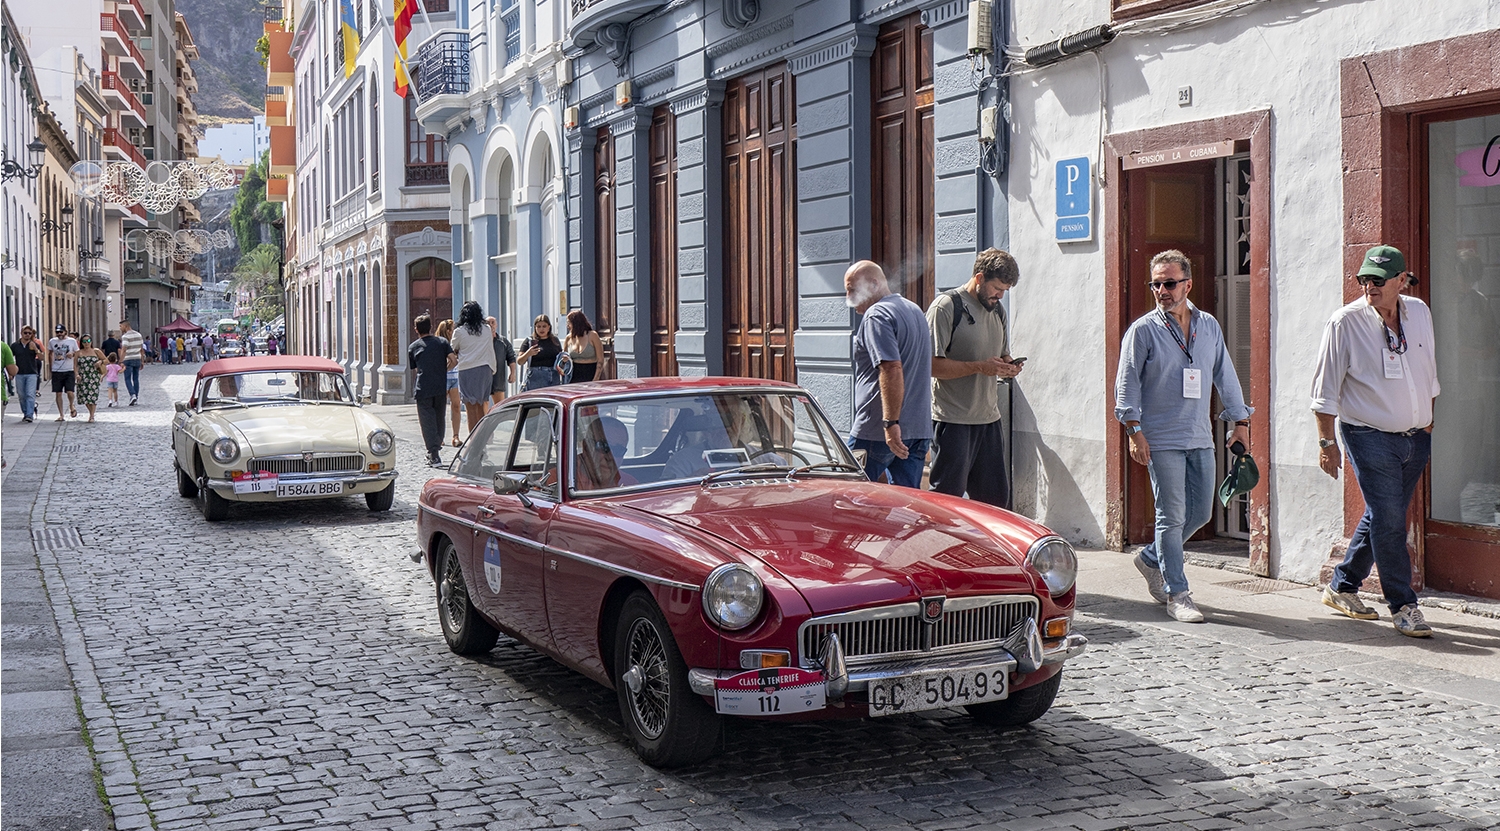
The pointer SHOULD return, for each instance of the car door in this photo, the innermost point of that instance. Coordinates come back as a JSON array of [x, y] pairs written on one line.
[[512, 529]]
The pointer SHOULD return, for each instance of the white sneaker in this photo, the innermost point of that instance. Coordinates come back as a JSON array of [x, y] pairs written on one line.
[[1348, 603], [1410, 622], [1181, 607], [1155, 585]]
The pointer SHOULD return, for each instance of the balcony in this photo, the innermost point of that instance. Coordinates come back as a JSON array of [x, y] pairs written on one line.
[[283, 151], [587, 17], [421, 175], [120, 43], [349, 212], [130, 13], [441, 73], [275, 112], [280, 69], [276, 189], [116, 143], [130, 111]]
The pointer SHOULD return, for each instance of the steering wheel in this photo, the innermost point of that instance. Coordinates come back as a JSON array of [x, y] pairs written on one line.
[[774, 449]]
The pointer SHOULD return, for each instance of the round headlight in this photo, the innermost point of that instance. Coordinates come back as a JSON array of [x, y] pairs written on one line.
[[381, 442], [1054, 559], [225, 450], [732, 596]]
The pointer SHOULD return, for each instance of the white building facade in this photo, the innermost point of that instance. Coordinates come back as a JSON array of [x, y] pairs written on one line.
[[20, 263], [1273, 143]]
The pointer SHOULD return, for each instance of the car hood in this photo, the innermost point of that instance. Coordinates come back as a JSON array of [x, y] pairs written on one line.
[[845, 543], [279, 429]]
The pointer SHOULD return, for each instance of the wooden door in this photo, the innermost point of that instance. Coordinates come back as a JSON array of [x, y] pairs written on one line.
[[431, 290], [902, 157], [1169, 207], [604, 246], [663, 242], [760, 251]]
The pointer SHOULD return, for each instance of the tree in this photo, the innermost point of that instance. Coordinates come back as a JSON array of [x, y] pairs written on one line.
[[260, 273], [251, 210]]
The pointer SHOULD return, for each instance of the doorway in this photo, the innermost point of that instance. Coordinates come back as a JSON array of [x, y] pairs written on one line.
[[1202, 209], [901, 172]]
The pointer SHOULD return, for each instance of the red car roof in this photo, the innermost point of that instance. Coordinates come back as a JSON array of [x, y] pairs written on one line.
[[568, 393], [265, 363]]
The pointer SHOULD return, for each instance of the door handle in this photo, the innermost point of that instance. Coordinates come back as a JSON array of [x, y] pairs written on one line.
[[486, 511]]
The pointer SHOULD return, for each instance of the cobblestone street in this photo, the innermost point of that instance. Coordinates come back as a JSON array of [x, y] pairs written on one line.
[[285, 669]]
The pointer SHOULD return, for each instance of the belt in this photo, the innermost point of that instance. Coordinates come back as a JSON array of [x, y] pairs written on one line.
[[1412, 432]]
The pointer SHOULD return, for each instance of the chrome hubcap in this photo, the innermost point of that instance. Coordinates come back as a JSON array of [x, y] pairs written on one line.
[[452, 597]]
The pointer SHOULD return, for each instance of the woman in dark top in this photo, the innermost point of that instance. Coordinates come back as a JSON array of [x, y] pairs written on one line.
[[541, 351]]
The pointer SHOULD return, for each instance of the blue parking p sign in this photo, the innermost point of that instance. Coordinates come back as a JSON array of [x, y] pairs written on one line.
[[1075, 196]]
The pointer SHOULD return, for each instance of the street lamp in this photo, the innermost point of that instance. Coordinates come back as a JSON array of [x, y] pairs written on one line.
[[12, 169], [49, 224], [96, 254]]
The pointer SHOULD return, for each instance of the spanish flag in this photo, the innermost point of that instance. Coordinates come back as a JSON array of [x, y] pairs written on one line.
[[404, 10], [350, 28]]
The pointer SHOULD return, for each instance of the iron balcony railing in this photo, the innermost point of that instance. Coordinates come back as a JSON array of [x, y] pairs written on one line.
[[441, 65], [427, 174]]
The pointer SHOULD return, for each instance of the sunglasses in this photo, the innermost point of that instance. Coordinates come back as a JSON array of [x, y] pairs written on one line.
[[1169, 285], [1377, 282]]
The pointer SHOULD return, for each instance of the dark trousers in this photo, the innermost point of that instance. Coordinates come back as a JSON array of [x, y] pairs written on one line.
[[1387, 467], [970, 458], [430, 414]]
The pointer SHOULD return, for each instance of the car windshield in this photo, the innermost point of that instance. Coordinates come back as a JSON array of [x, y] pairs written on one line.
[[280, 386], [689, 438]]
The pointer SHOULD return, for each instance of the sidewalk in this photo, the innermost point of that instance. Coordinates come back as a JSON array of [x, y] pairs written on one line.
[[1278, 618]]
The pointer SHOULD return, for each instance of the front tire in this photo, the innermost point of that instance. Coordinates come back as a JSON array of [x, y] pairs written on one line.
[[668, 723], [1020, 708], [382, 499], [466, 632], [186, 487], [215, 507]]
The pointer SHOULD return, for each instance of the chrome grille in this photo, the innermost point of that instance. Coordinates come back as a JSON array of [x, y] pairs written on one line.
[[892, 632], [299, 466]]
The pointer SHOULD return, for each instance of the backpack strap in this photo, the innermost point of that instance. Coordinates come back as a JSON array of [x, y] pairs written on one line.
[[960, 311]]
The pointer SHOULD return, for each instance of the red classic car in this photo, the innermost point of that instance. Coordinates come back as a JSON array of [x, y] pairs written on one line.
[[710, 547]]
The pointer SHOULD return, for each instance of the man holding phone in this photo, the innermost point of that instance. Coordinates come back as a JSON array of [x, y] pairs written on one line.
[[970, 351], [1167, 359]]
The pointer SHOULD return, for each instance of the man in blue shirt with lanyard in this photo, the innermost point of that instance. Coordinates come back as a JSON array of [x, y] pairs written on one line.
[[1166, 357]]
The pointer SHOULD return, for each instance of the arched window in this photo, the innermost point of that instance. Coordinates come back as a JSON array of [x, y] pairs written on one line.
[[431, 289]]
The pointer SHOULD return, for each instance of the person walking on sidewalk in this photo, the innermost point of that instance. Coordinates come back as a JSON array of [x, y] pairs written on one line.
[[1165, 358], [112, 378], [474, 342], [1377, 377], [970, 349], [63, 351], [132, 351], [90, 362], [892, 378], [29, 356], [431, 357]]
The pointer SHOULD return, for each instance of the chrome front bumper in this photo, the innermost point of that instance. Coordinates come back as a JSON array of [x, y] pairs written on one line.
[[1023, 651], [225, 487]]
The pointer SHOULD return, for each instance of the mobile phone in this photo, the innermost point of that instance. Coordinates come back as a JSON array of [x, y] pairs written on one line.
[[1017, 361]]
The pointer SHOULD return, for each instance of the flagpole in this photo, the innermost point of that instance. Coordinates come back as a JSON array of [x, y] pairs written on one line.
[[411, 81]]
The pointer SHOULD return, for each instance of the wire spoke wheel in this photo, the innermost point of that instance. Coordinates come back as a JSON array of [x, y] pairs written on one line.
[[651, 703], [453, 595]]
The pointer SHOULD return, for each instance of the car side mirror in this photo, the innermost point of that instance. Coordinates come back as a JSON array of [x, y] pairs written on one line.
[[180, 406], [511, 484]]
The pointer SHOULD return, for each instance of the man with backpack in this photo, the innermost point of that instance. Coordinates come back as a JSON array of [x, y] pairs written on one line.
[[970, 356]]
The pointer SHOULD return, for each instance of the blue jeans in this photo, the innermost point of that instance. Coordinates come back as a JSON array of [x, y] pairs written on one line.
[[1182, 481], [26, 391], [879, 458], [1387, 467], [133, 378]]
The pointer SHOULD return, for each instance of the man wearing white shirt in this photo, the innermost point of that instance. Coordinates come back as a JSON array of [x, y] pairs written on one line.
[[1377, 375]]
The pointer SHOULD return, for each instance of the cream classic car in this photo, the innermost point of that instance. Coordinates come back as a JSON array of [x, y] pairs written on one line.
[[276, 428]]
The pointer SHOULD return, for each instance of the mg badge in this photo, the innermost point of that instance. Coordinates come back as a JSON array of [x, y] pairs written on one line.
[[932, 609], [307, 458]]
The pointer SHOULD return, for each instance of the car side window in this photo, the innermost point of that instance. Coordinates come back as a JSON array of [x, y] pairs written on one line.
[[536, 448], [485, 454]]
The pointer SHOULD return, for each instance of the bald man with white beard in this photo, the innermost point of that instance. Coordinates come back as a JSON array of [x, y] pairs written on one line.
[[892, 353]]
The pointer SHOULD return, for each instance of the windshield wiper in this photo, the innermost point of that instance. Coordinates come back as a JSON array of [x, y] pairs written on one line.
[[831, 464], [763, 467]]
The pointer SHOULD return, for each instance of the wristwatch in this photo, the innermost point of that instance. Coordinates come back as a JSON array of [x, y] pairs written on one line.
[[1132, 430], [1327, 443], [892, 422]]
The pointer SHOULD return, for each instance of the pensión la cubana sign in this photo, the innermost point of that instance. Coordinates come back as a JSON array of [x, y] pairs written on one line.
[[1178, 155]]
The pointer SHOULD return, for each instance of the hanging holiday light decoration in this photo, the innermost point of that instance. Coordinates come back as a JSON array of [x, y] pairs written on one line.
[[180, 246], [158, 188]]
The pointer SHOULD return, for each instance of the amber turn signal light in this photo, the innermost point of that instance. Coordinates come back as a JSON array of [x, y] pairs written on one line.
[[765, 658], [1056, 628]]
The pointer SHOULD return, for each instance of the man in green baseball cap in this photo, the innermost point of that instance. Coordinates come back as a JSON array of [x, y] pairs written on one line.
[[1377, 377]]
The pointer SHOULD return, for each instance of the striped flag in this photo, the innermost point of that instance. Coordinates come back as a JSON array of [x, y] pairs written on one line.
[[350, 28], [404, 10]]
